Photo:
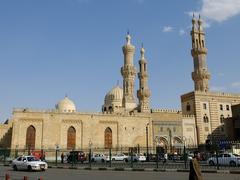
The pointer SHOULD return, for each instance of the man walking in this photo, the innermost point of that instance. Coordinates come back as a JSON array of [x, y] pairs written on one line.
[[195, 171]]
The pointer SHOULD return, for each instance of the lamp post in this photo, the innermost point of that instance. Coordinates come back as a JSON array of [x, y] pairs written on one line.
[[170, 139], [56, 154], [184, 151], [147, 158], [90, 153]]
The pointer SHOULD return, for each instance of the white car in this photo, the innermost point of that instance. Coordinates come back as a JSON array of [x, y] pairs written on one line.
[[136, 158], [141, 157], [28, 163], [225, 159], [119, 157], [99, 158]]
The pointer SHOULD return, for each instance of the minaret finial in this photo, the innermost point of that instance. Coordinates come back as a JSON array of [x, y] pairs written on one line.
[[128, 38], [117, 82], [142, 52], [66, 95]]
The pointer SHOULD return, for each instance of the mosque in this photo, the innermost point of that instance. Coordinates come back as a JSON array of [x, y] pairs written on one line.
[[123, 122]]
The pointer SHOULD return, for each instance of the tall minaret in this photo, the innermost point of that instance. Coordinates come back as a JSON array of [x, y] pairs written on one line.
[[128, 72], [143, 93], [200, 75]]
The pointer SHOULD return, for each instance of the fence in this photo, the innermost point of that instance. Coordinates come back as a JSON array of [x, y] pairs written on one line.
[[214, 156]]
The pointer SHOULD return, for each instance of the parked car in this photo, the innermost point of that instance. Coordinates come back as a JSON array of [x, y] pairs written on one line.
[[225, 159], [76, 156], [28, 163], [141, 157], [119, 157], [136, 158], [99, 158]]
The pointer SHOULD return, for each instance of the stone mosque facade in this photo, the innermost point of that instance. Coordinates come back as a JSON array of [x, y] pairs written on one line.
[[123, 122]]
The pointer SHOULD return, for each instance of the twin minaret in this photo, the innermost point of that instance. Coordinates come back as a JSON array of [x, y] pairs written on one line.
[[129, 72], [200, 75]]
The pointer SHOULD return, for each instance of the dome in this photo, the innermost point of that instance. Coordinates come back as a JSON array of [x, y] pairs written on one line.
[[113, 99], [66, 105], [114, 95]]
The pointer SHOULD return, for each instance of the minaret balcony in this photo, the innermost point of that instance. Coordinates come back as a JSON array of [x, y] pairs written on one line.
[[198, 51]]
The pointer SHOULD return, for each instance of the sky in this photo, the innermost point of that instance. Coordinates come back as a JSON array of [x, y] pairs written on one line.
[[50, 48]]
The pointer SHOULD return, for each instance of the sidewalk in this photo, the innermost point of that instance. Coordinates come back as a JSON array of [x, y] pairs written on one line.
[[138, 169]]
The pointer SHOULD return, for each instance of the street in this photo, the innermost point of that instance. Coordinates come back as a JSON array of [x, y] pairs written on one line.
[[63, 174]]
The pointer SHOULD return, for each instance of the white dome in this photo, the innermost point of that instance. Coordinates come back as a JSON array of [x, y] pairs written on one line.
[[114, 97], [66, 105]]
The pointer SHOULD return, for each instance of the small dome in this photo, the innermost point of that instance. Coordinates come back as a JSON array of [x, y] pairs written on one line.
[[66, 105], [114, 95], [113, 100]]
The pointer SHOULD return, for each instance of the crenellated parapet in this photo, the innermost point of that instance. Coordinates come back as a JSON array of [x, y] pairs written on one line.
[[166, 111]]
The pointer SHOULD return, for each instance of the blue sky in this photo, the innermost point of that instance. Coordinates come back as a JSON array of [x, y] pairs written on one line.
[[49, 48]]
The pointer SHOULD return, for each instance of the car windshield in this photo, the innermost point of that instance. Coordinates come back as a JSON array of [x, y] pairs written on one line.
[[236, 155], [32, 158]]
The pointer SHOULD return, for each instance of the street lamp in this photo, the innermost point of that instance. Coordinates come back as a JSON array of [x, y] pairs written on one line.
[[56, 153], [184, 151], [147, 159], [170, 139], [90, 152]]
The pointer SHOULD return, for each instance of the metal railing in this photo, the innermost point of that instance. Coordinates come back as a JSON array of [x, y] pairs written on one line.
[[173, 157]]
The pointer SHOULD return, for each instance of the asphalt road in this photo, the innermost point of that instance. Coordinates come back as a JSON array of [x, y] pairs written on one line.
[[70, 174]]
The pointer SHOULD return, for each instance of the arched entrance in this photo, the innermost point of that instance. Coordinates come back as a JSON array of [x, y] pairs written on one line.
[[108, 138], [30, 137], [71, 138], [177, 145]]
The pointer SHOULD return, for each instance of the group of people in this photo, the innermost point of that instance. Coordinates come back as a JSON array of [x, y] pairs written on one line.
[[194, 173]]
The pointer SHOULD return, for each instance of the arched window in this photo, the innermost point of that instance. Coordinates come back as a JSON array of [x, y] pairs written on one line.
[[108, 138], [222, 118], [110, 109], [203, 43], [71, 138], [227, 107], [188, 108], [221, 107], [30, 137], [205, 119]]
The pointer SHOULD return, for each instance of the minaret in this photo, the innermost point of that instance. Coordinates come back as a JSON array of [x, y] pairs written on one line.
[[200, 75], [143, 93], [128, 72]]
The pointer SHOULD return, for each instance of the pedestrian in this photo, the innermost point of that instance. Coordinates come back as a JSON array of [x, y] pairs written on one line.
[[165, 158], [195, 171], [62, 157]]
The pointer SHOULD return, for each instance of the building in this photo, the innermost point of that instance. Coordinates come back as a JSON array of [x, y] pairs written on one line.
[[209, 108], [123, 122]]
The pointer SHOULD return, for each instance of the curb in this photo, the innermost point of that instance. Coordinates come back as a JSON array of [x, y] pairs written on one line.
[[139, 169]]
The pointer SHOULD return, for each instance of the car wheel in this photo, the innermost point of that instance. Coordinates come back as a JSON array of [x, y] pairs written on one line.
[[92, 160], [113, 159], [43, 169], [232, 163], [103, 160], [126, 160], [211, 163], [29, 168], [15, 168]]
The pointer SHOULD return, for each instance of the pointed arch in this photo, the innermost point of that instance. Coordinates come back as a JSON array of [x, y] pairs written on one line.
[[108, 138], [30, 137], [71, 138]]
